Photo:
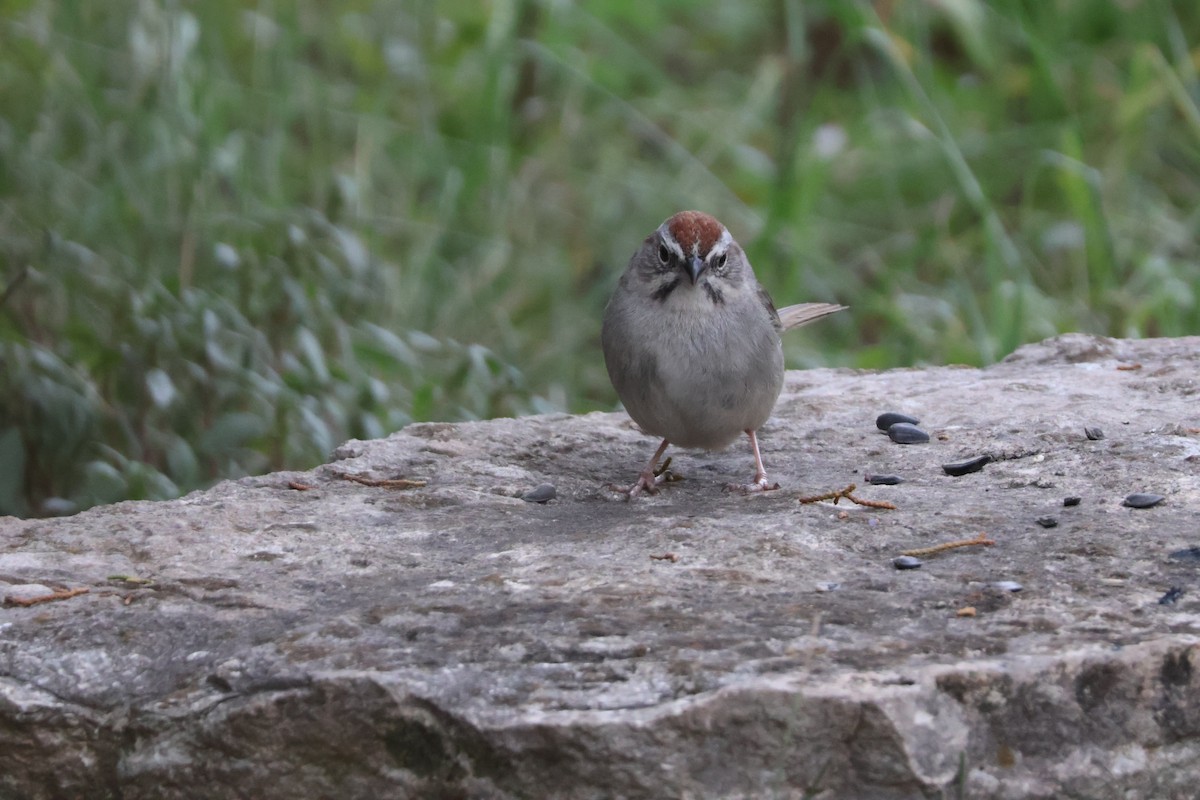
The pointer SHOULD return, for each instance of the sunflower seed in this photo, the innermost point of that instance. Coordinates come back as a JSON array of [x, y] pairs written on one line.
[[540, 494], [1140, 500], [890, 418], [1172, 594], [967, 467], [906, 433], [1186, 554]]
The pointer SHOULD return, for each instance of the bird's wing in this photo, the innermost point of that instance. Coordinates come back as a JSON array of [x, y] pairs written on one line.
[[765, 300]]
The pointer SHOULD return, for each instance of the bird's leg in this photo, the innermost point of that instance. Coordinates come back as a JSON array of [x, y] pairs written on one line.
[[759, 484], [647, 479]]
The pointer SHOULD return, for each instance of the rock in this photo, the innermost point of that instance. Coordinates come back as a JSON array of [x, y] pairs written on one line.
[[449, 640], [25, 592]]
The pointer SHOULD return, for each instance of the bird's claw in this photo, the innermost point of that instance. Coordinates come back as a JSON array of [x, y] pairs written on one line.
[[648, 481], [759, 484]]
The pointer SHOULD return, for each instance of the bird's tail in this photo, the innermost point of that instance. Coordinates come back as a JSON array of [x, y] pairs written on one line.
[[804, 313]]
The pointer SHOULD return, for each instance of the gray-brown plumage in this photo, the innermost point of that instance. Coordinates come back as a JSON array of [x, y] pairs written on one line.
[[691, 341]]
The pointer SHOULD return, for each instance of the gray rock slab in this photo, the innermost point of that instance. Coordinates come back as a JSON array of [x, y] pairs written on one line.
[[308, 635]]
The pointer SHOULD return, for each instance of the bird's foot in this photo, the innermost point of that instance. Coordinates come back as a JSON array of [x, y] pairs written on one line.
[[648, 481], [759, 484]]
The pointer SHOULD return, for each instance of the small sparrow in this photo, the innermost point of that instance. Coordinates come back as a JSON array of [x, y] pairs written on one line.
[[691, 342]]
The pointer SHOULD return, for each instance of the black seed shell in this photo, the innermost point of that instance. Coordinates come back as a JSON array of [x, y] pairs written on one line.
[[967, 467], [1142, 500], [906, 433], [540, 494], [889, 418], [1172, 594]]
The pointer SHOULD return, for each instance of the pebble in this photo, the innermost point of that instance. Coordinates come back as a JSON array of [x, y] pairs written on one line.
[[906, 433], [1140, 500], [884, 480], [1172, 594], [1048, 522], [890, 418], [828, 586], [1186, 554], [1008, 586], [906, 562], [540, 494], [967, 467], [1094, 434], [58, 507], [26, 592], [1072, 501]]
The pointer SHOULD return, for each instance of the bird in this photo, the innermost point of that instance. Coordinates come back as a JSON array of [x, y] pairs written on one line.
[[692, 345]]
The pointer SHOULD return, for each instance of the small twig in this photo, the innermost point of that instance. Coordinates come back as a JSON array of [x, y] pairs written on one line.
[[835, 495], [665, 557], [981, 539], [1129, 367], [61, 594], [131, 579], [871, 503], [664, 472], [385, 483], [302, 487], [848, 493]]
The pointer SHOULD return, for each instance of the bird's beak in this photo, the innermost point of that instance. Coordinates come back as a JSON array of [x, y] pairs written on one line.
[[695, 267]]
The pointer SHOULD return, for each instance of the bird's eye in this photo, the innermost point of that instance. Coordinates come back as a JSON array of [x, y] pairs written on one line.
[[664, 255], [721, 261]]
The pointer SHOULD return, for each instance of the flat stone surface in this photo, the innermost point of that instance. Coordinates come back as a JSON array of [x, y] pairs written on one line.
[[306, 635]]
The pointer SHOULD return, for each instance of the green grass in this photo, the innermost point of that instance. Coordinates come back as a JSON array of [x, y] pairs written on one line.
[[233, 234]]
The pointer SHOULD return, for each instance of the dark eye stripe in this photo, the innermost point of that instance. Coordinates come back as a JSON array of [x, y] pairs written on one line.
[[662, 292]]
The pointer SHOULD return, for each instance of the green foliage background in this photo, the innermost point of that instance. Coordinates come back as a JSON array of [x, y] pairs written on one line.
[[233, 234]]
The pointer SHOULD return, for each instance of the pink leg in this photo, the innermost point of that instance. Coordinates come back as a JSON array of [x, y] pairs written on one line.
[[759, 484], [647, 480]]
